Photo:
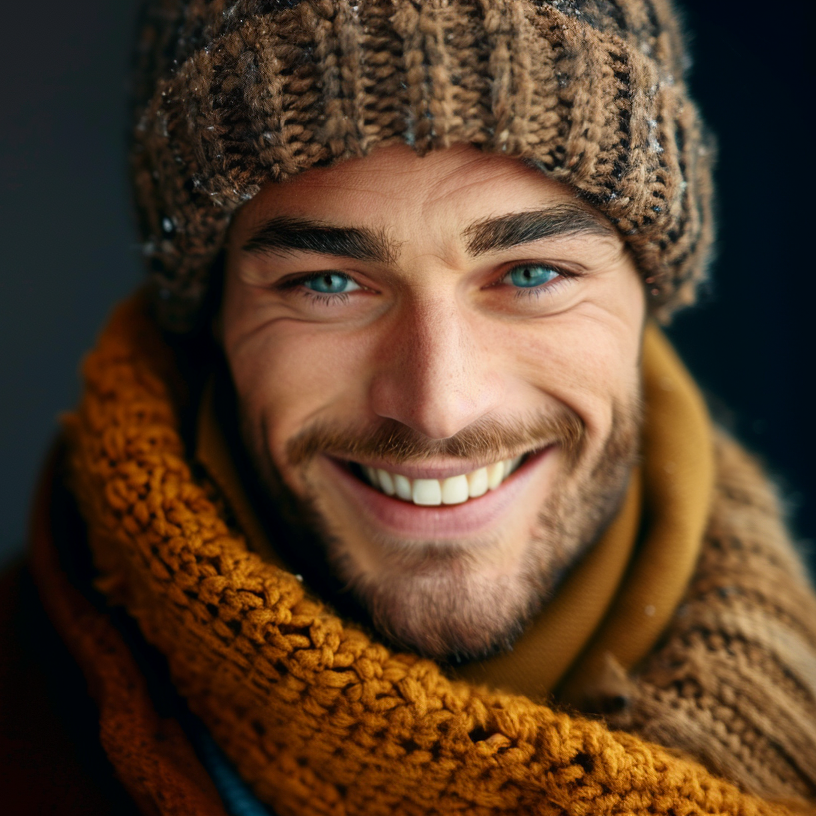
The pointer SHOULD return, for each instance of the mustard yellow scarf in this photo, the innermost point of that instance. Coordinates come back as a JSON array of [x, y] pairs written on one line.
[[317, 716]]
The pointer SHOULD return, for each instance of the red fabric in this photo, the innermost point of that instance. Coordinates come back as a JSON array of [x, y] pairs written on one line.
[[150, 755], [51, 761]]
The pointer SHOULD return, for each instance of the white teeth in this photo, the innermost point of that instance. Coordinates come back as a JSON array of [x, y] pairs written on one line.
[[427, 492], [495, 474], [386, 482], [403, 487], [477, 483], [453, 490]]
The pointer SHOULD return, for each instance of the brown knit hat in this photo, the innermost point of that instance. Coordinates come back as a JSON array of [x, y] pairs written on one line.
[[231, 94]]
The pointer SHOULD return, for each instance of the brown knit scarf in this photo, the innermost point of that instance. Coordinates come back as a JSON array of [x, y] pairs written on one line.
[[320, 718]]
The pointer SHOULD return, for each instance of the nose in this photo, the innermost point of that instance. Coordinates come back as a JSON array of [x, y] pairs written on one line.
[[432, 372]]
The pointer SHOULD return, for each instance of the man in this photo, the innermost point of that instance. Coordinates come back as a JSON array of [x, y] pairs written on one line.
[[389, 480]]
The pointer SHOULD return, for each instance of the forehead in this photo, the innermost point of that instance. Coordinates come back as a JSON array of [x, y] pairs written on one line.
[[412, 197]]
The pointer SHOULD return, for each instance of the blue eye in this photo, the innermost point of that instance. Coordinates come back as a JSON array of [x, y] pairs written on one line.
[[528, 276], [331, 283]]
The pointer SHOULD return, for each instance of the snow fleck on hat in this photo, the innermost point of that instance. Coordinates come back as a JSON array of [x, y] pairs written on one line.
[[231, 94]]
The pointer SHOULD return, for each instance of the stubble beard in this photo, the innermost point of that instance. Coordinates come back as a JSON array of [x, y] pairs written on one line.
[[444, 599]]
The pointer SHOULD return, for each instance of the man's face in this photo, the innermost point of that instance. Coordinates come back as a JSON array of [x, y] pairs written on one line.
[[437, 361]]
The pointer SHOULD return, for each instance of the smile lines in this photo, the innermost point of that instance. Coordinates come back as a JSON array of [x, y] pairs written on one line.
[[435, 492]]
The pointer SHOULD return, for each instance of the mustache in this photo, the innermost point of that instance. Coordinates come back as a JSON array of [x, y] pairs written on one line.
[[485, 439]]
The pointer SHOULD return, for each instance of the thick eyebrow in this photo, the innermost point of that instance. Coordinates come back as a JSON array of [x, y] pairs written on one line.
[[506, 231], [285, 235]]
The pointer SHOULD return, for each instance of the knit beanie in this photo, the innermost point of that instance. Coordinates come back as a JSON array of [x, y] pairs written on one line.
[[232, 94]]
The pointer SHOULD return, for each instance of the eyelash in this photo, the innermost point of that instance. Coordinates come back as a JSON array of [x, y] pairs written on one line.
[[295, 285], [565, 275], [324, 299], [545, 289]]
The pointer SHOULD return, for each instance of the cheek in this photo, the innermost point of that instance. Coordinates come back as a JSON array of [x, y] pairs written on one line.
[[589, 365], [289, 376]]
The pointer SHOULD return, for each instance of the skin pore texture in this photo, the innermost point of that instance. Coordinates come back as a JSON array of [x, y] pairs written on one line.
[[430, 318]]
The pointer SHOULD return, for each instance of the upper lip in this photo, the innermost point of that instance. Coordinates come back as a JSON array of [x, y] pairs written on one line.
[[441, 470]]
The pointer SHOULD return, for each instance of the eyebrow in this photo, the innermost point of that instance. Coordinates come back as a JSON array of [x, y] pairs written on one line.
[[284, 235], [507, 231]]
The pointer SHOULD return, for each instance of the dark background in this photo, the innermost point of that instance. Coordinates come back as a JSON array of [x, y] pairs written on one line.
[[69, 246]]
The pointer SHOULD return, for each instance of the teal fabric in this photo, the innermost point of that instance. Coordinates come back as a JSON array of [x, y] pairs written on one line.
[[238, 799]]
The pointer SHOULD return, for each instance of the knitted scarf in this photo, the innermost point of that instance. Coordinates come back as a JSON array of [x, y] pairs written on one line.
[[320, 718]]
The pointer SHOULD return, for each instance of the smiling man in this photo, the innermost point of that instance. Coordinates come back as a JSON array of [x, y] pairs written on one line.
[[387, 495], [438, 359]]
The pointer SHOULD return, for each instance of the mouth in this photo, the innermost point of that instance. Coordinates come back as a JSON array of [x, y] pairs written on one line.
[[409, 503], [428, 492]]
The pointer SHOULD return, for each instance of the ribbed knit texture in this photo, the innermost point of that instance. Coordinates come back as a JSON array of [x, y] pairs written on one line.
[[317, 717], [735, 681], [231, 94]]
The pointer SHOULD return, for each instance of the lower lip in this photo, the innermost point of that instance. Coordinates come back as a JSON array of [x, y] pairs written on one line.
[[409, 520]]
